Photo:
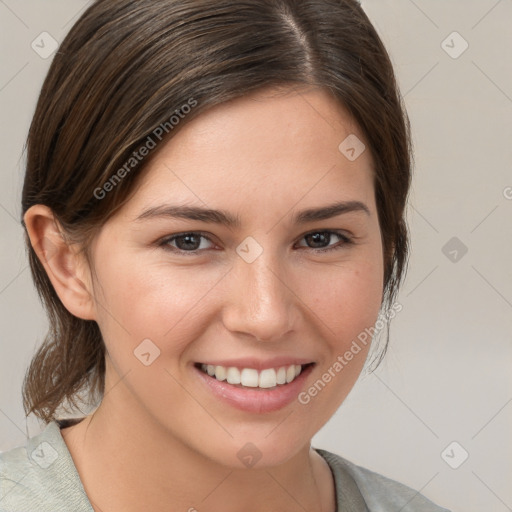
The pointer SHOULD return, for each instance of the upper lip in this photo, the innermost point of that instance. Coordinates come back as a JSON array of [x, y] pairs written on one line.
[[258, 364]]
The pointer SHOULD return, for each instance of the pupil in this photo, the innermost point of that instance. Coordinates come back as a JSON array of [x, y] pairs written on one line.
[[187, 239], [316, 237]]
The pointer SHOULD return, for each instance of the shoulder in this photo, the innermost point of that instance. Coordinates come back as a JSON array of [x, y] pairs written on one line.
[[381, 494], [41, 475]]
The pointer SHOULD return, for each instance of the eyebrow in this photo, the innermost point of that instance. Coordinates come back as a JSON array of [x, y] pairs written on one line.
[[232, 221]]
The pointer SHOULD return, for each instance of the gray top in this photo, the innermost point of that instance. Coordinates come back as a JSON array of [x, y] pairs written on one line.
[[41, 477]]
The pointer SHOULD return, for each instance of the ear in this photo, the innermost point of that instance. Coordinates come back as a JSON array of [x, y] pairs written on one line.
[[67, 270]]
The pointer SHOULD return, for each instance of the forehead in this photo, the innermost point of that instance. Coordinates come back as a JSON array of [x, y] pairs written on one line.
[[272, 144]]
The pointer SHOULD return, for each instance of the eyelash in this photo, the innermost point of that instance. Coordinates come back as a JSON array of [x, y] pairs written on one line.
[[345, 240]]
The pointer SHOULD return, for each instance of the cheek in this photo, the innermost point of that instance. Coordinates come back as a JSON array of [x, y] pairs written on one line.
[[159, 303], [348, 307], [168, 302], [346, 298]]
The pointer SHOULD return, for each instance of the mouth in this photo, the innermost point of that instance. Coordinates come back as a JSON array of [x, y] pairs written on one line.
[[251, 378], [256, 391]]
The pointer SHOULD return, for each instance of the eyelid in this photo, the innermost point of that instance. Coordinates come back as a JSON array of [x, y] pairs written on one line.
[[341, 232], [346, 239], [164, 241]]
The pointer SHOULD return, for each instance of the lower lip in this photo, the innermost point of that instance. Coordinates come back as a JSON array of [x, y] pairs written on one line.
[[256, 400]]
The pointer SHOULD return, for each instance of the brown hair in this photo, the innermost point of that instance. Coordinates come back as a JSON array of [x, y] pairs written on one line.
[[126, 67]]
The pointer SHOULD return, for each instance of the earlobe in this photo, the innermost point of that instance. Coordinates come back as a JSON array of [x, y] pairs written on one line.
[[64, 266]]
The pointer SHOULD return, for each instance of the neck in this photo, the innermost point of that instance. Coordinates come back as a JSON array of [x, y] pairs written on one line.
[[130, 462]]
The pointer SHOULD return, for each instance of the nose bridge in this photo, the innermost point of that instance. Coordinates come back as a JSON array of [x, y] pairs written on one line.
[[261, 304]]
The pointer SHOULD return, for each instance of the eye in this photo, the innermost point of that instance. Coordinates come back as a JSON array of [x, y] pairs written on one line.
[[191, 242], [185, 242], [323, 237]]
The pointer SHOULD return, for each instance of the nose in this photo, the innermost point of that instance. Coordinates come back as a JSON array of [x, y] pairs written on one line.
[[260, 302]]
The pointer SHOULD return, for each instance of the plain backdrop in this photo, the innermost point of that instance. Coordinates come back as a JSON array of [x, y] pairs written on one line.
[[437, 414]]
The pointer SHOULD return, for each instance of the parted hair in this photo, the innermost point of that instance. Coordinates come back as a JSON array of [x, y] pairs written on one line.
[[122, 71]]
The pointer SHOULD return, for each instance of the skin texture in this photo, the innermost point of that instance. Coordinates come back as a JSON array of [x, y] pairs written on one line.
[[160, 440]]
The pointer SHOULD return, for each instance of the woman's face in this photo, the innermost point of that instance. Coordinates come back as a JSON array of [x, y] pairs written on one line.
[[256, 294]]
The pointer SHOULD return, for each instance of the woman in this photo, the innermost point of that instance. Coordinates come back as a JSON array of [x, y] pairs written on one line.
[[214, 212]]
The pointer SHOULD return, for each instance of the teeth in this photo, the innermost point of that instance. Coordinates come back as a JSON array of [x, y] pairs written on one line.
[[268, 378], [251, 378], [220, 373], [232, 375], [248, 377]]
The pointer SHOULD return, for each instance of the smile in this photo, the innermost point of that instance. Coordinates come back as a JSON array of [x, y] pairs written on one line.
[[252, 378], [253, 385]]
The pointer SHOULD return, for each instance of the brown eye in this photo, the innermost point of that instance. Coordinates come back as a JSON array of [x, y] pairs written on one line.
[[185, 242], [320, 240]]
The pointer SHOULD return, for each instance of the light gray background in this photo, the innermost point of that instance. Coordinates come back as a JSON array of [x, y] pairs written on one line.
[[447, 375]]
